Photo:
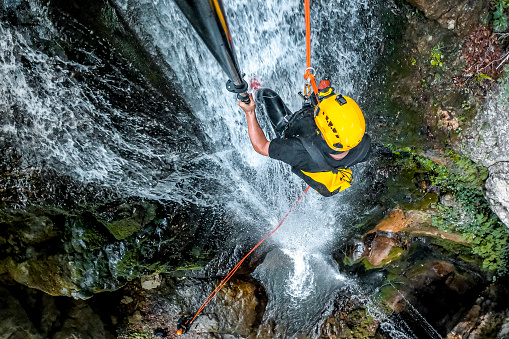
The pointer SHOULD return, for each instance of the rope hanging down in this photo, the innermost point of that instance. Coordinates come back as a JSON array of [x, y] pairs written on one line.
[[233, 270], [308, 33], [309, 73]]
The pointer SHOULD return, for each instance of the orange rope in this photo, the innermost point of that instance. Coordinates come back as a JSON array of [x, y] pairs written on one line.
[[308, 75], [233, 270], [308, 33]]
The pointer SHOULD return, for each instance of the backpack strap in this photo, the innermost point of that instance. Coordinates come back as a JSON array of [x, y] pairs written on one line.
[[315, 154]]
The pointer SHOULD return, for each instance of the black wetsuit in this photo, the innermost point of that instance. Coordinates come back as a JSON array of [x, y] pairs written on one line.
[[298, 143]]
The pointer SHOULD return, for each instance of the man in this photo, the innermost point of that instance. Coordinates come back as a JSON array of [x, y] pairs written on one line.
[[320, 141]]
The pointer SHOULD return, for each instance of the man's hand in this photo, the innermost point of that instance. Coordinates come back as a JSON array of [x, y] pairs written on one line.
[[248, 108], [258, 140]]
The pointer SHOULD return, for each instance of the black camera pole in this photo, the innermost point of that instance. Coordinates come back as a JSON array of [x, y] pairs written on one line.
[[208, 18]]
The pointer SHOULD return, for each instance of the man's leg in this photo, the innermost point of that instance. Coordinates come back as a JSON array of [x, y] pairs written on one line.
[[272, 105]]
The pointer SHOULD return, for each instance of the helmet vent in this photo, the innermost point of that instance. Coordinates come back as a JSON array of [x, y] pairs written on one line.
[[341, 100]]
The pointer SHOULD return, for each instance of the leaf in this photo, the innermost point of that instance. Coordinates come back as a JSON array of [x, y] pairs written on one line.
[[500, 24], [499, 12]]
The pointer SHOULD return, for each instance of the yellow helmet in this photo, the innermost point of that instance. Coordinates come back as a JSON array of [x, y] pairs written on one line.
[[341, 122]]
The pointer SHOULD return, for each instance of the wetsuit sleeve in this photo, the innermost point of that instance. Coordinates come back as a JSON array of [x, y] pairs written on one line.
[[288, 150]]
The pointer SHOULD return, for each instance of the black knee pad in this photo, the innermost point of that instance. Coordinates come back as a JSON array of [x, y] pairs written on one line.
[[274, 107]]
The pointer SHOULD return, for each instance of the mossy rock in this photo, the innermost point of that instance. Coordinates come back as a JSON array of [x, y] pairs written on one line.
[[133, 217], [128, 266], [394, 254], [124, 228], [53, 275], [33, 226]]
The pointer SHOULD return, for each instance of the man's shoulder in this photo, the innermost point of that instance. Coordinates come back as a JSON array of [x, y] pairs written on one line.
[[285, 148], [287, 143]]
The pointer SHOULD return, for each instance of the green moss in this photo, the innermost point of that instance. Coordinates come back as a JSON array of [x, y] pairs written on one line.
[[385, 293], [394, 254], [138, 335], [403, 190], [429, 199], [471, 215], [94, 239], [437, 56], [189, 267], [128, 266], [359, 323], [124, 228]]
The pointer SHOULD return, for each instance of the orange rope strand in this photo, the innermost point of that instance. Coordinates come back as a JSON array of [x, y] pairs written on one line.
[[310, 77], [233, 270], [308, 33]]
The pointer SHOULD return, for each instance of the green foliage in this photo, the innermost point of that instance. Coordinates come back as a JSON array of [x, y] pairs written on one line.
[[480, 226], [471, 214], [479, 77], [436, 55], [138, 335], [500, 20]]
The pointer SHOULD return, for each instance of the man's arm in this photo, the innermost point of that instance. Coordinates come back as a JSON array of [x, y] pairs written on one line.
[[256, 135]]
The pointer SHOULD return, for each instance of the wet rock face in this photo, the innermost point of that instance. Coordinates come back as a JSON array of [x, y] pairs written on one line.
[[460, 16], [487, 142], [14, 322], [497, 190], [136, 311], [236, 311], [61, 234], [80, 254], [425, 104], [349, 319], [437, 289], [487, 318], [31, 314]]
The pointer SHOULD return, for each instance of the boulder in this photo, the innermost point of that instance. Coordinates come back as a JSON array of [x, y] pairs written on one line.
[[487, 142], [151, 282], [14, 322], [381, 251], [504, 331], [460, 16], [82, 323], [52, 275], [394, 222], [497, 190], [237, 309]]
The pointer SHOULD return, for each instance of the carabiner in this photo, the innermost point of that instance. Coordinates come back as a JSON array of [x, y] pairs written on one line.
[[307, 90]]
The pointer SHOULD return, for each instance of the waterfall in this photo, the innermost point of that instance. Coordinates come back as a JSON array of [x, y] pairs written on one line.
[[269, 36], [94, 138]]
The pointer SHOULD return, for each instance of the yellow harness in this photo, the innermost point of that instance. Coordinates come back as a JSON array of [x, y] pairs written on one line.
[[334, 182]]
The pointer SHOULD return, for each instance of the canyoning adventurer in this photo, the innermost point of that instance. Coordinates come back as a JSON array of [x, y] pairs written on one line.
[[320, 141]]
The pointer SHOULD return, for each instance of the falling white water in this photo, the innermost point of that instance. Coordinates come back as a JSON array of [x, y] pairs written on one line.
[[72, 128]]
